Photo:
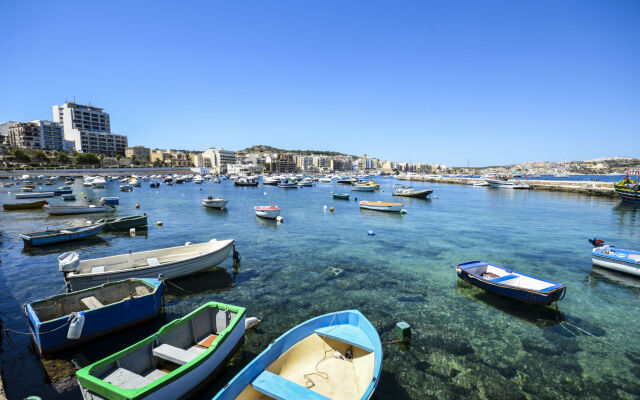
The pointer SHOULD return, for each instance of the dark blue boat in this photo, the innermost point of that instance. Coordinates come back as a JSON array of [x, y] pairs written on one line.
[[107, 308], [52, 236], [509, 283]]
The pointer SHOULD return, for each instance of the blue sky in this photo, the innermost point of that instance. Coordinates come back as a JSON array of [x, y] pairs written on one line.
[[491, 82]]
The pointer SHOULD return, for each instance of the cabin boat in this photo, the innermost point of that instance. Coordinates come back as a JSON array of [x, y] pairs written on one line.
[[246, 181], [411, 192], [124, 223], [507, 183], [511, 284], [173, 362], [270, 212], [627, 261], [126, 188], [269, 180], [343, 345], [341, 196], [51, 236], [347, 179], [24, 206], [112, 201], [627, 189], [67, 210], [287, 184], [107, 308], [172, 262], [305, 182], [325, 180], [381, 206], [34, 195], [215, 203]]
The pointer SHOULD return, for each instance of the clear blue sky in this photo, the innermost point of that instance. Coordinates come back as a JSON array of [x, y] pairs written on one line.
[[431, 81]]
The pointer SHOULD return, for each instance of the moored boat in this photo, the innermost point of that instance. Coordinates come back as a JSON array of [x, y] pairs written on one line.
[[173, 362], [154, 184], [123, 223], [343, 345], [627, 189], [172, 262], [363, 188], [411, 192], [106, 309], [68, 197], [270, 212], [287, 184], [51, 236], [126, 188], [112, 201], [627, 261], [381, 206], [270, 180], [65, 210], [248, 181], [214, 202], [341, 196], [34, 195], [508, 283], [24, 206]]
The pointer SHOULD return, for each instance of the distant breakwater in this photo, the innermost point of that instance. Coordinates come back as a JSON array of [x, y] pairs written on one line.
[[590, 188]]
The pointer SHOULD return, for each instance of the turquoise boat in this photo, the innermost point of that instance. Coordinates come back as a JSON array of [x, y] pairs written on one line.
[[334, 356], [341, 196]]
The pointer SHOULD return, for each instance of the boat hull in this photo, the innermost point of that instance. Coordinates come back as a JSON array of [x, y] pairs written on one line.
[[629, 196], [215, 203], [67, 210], [60, 235], [627, 266], [34, 195], [363, 188], [341, 196], [24, 206], [123, 224], [421, 194], [269, 214], [382, 207], [169, 270], [98, 322]]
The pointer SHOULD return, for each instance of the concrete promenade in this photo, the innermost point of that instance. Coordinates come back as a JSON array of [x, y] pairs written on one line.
[[602, 189], [96, 171]]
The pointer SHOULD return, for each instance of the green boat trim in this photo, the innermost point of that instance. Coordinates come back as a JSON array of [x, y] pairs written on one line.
[[341, 196], [110, 391], [124, 223]]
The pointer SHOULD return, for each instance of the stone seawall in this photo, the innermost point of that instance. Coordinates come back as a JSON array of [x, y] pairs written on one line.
[[603, 189]]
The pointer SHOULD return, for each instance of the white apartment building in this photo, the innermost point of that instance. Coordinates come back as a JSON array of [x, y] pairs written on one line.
[[25, 135], [52, 135], [90, 128], [304, 163], [220, 158]]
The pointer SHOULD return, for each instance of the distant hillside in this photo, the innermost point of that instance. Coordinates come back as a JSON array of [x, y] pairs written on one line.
[[268, 149]]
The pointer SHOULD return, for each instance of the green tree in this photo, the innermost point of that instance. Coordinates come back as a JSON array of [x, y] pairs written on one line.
[[40, 156], [63, 158], [87, 159], [267, 166], [20, 155]]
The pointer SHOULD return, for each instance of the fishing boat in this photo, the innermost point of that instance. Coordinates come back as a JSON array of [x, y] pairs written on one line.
[[51, 236], [34, 195], [66, 210], [287, 184], [248, 181], [214, 203], [24, 206], [172, 363], [603, 255], [509, 283], [333, 356], [411, 192], [112, 201], [363, 188], [381, 206], [154, 184], [629, 189], [123, 223], [347, 180], [126, 188], [99, 183], [106, 309], [271, 212], [270, 180], [68, 197], [369, 182], [341, 196], [305, 182], [135, 183], [172, 262]]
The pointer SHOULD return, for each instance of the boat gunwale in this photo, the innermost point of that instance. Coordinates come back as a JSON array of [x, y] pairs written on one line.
[[80, 229], [91, 382]]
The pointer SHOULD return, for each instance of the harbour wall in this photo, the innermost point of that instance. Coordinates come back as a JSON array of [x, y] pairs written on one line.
[[590, 188]]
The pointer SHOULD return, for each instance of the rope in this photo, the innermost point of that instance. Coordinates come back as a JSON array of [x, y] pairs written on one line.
[[324, 375], [40, 333], [578, 328], [173, 284]]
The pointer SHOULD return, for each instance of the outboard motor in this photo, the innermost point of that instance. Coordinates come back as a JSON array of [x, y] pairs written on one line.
[[596, 242], [68, 261]]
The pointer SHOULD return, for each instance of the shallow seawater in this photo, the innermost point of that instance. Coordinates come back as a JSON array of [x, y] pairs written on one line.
[[466, 343]]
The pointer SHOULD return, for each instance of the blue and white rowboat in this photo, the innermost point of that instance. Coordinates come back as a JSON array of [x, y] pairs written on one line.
[[509, 283], [107, 308], [343, 345], [626, 261], [52, 236]]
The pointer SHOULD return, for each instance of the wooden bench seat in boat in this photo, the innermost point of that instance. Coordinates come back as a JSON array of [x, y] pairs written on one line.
[[91, 302], [207, 341], [347, 334], [126, 379], [177, 355], [281, 388], [503, 278]]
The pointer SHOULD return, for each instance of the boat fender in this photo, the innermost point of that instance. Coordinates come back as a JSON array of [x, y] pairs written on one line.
[[132, 231], [324, 208], [338, 355], [159, 223], [251, 322], [331, 209], [435, 197], [137, 206], [403, 211], [75, 327], [265, 193], [68, 261], [279, 219], [188, 244], [371, 233]]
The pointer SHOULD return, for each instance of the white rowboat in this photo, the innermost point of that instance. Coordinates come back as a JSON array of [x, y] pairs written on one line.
[[215, 203], [381, 206], [271, 212]]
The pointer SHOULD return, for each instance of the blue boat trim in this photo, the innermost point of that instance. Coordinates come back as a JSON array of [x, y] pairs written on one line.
[[348, 334], [283, 389]]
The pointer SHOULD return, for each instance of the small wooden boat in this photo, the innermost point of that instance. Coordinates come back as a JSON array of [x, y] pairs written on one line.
[[126, 188], [173, 362], [24, 206], [172, 262], [67, 210], [627, 261], [334, 356], [509, 283], [51, 236], [271, 212], [363, 188], [68, 197], [112, 201], [411, 192], [215, 203], [381, 206], [341, 196], [108, 308], [34, 195], [123, 223]]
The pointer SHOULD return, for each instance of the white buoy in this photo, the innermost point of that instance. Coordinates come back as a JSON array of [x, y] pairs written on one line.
[[251, 322], [325, 208], [265, 193], [132, 231], [279, 218]]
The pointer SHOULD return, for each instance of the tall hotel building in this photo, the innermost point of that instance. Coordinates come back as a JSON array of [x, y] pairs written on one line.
[[89, 127]]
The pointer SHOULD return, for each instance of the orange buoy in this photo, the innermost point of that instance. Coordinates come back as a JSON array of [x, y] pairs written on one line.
[[137, 206]]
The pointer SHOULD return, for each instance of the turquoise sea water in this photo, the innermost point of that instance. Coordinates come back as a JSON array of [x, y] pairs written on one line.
[[466, 343]]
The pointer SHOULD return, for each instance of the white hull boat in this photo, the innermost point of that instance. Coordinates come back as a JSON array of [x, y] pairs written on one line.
[[171, 262], [271, 212], [34, 195], [215, 203], [66, 210], [99, 183], [381, 206], [626, 261]]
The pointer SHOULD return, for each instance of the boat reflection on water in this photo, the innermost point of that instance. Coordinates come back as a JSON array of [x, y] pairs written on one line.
[[271, 224], [543, 316], [599, 274], [628, 214], [208, 281]]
